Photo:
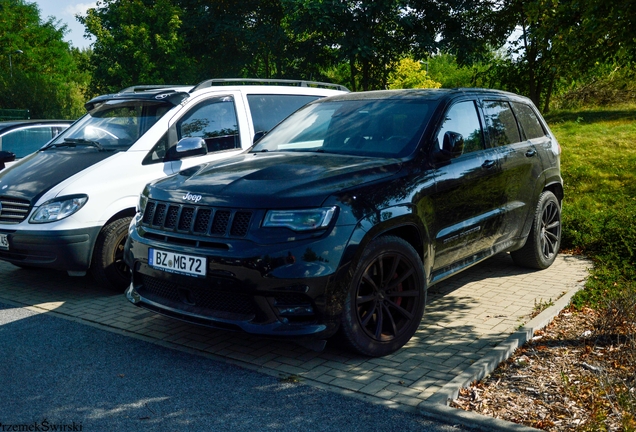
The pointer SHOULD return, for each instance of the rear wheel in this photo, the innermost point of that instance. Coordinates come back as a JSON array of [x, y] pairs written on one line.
[[108, 266], [386, 298], [544, 240]]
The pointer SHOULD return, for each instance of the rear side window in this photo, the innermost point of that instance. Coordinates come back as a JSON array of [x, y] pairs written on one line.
[[528, 119], [269, 110], [500, 123], [462, 118]]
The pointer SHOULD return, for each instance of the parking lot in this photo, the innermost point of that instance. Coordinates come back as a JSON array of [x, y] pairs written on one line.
[[465, 318]]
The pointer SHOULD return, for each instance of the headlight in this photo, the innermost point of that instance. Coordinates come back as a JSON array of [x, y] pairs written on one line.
[[141, 205], [58, 208], [300, 220]]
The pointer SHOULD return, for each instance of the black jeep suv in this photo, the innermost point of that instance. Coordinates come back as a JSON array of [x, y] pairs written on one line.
[[341, 217]]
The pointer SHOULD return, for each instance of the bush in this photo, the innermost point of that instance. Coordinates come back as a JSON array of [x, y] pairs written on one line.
[[607, 85]]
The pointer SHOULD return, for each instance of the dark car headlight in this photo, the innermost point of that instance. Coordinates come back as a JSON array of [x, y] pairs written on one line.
[[141, 204], [300, 220]]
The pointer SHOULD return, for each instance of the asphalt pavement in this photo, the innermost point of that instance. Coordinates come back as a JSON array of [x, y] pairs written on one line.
[[60, 374]]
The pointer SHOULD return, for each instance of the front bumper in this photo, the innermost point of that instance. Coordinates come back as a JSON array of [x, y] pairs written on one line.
[[275, 290], [69, 250]]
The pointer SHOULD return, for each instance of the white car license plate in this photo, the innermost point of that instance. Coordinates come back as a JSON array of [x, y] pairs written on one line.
[[4, 241], [177, 263]]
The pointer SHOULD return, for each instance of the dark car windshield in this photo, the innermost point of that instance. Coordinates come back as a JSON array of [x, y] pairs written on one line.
[[380, 127], [113, 125]]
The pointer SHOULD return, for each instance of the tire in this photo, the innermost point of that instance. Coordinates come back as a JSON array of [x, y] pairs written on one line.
[[108, 267], [544, 240], [381, 313]]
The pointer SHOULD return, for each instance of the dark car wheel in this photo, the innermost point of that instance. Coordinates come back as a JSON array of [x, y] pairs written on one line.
[[544, 240], [386, 298], [108, 266]]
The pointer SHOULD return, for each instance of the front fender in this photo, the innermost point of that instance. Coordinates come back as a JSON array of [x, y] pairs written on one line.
[[399, 220]]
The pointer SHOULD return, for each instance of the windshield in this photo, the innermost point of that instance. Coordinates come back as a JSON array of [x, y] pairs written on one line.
[[382, 127], [113, 125]]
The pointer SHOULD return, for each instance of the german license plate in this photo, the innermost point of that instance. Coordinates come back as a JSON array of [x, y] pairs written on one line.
[[4, 241], [177, 263]]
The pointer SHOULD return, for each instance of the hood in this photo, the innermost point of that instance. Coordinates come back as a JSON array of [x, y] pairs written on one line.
[[35, 174], [273, 180]]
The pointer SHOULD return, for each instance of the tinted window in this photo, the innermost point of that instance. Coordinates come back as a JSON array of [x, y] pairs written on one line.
[[528, 120], [269, 110], [501, 123], [383, 128], [26, 141], [463, 118], [214, 121]]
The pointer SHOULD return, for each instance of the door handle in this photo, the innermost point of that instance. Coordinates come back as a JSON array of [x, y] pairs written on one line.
[[488, 164], [531, 153]]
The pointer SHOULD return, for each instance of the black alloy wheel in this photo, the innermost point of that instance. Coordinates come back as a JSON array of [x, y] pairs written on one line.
[[544, 240], [387, 298], [550, 230]]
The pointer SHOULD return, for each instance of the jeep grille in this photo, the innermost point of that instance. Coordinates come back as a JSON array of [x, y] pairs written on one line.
[[193, 219]]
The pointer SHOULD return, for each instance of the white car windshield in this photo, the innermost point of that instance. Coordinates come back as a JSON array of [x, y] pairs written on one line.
[[380, 127], [113, 125]]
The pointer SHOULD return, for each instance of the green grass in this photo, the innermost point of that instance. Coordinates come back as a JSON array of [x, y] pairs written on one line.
[[598, 164]]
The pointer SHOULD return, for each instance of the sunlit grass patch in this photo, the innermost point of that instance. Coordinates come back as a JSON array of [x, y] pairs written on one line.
[[598, 165]]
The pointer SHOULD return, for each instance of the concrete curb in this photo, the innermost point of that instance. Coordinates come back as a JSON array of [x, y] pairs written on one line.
[[437, 405]]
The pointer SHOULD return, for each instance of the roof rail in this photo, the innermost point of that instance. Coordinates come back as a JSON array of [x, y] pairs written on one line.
[[144, 87], [258, 81]]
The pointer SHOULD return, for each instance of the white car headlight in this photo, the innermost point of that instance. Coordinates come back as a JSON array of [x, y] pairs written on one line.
[[300, 220], [58, 208]]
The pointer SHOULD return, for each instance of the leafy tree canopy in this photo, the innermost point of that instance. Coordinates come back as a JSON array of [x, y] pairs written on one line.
[[136, 42], [38, 69], [411, 74]]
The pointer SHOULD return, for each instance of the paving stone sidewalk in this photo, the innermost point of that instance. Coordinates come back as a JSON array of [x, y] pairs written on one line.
[[465, 318]]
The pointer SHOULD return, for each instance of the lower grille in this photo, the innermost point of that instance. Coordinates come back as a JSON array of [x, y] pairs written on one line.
[[204, 299], [291, 299]]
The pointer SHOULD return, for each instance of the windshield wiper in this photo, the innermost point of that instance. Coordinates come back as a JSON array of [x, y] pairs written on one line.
[[72, 142], [306, 150]]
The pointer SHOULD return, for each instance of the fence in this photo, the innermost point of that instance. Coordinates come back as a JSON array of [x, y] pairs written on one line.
[[14, 114]]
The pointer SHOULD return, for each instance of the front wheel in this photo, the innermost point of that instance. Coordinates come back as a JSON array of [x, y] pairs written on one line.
[[386, 298], [544, 240], [108, 266]]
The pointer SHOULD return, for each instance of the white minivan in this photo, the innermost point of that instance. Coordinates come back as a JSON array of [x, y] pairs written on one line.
[[68, 205]]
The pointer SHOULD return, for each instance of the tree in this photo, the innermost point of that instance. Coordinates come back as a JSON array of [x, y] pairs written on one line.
[[371, 36], [244, 39], [410, 74], [43, 76], [554, 41], [443, 68], [603, 30], [136, 42]]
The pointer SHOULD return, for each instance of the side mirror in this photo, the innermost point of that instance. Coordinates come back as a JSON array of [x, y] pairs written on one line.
[[452, 146], [258, 135], [453, 143], [6, 156], [187, 147]]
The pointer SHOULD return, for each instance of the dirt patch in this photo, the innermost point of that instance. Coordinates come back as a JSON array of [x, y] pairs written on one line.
[[576, 374]]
